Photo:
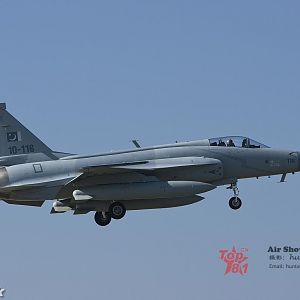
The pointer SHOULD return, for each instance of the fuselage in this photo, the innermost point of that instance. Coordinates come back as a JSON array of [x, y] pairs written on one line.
[[142, 178], [53, 179]]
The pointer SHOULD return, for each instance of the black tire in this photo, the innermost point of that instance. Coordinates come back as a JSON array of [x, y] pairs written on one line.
[[117, 210], [235, 203], [102, 220]]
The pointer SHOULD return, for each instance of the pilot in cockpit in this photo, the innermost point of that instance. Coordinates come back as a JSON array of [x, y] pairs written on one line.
[[221, 143], [245, 143], [230, 143]]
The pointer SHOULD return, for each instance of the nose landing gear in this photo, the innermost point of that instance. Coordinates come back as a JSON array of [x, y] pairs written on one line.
[[235, 202]]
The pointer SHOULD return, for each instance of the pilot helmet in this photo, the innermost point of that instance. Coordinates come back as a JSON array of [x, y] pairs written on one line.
[[230, 142]]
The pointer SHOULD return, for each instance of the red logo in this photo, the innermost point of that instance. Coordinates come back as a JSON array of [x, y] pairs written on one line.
[[236, 262]]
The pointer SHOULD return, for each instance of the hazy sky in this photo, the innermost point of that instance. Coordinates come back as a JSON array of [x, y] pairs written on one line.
[[89, 76]]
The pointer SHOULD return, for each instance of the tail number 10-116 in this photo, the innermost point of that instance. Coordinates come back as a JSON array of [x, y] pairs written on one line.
[[21, 150]]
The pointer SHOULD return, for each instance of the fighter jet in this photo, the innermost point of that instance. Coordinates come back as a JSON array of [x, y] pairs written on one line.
[[111, 183]]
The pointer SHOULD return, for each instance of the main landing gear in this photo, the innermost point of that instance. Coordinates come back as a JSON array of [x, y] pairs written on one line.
[[102, 218], [116, 211], [235, 202]]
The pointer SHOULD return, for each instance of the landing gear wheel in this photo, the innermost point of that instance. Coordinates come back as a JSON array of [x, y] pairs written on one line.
[[117, 210], [235, 202], [102, 218]]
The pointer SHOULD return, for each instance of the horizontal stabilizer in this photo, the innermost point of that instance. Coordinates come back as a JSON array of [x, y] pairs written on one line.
[[26, 203]]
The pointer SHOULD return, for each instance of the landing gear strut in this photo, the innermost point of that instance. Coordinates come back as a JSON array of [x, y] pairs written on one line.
[[102, 218], [235, 202]]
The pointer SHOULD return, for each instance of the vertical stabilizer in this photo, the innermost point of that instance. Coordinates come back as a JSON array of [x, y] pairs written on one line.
[[16, 140]]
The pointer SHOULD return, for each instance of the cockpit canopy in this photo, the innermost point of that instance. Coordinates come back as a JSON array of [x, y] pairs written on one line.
[[236, 141]]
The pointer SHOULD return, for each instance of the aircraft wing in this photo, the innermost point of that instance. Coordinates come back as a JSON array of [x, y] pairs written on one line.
[[111, 168], [151, 165], [145, 168]]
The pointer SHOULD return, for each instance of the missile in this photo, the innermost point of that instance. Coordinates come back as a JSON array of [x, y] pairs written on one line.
[[59, 207]]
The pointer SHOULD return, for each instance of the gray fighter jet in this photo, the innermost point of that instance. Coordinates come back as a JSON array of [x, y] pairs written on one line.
[[140, 178]]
